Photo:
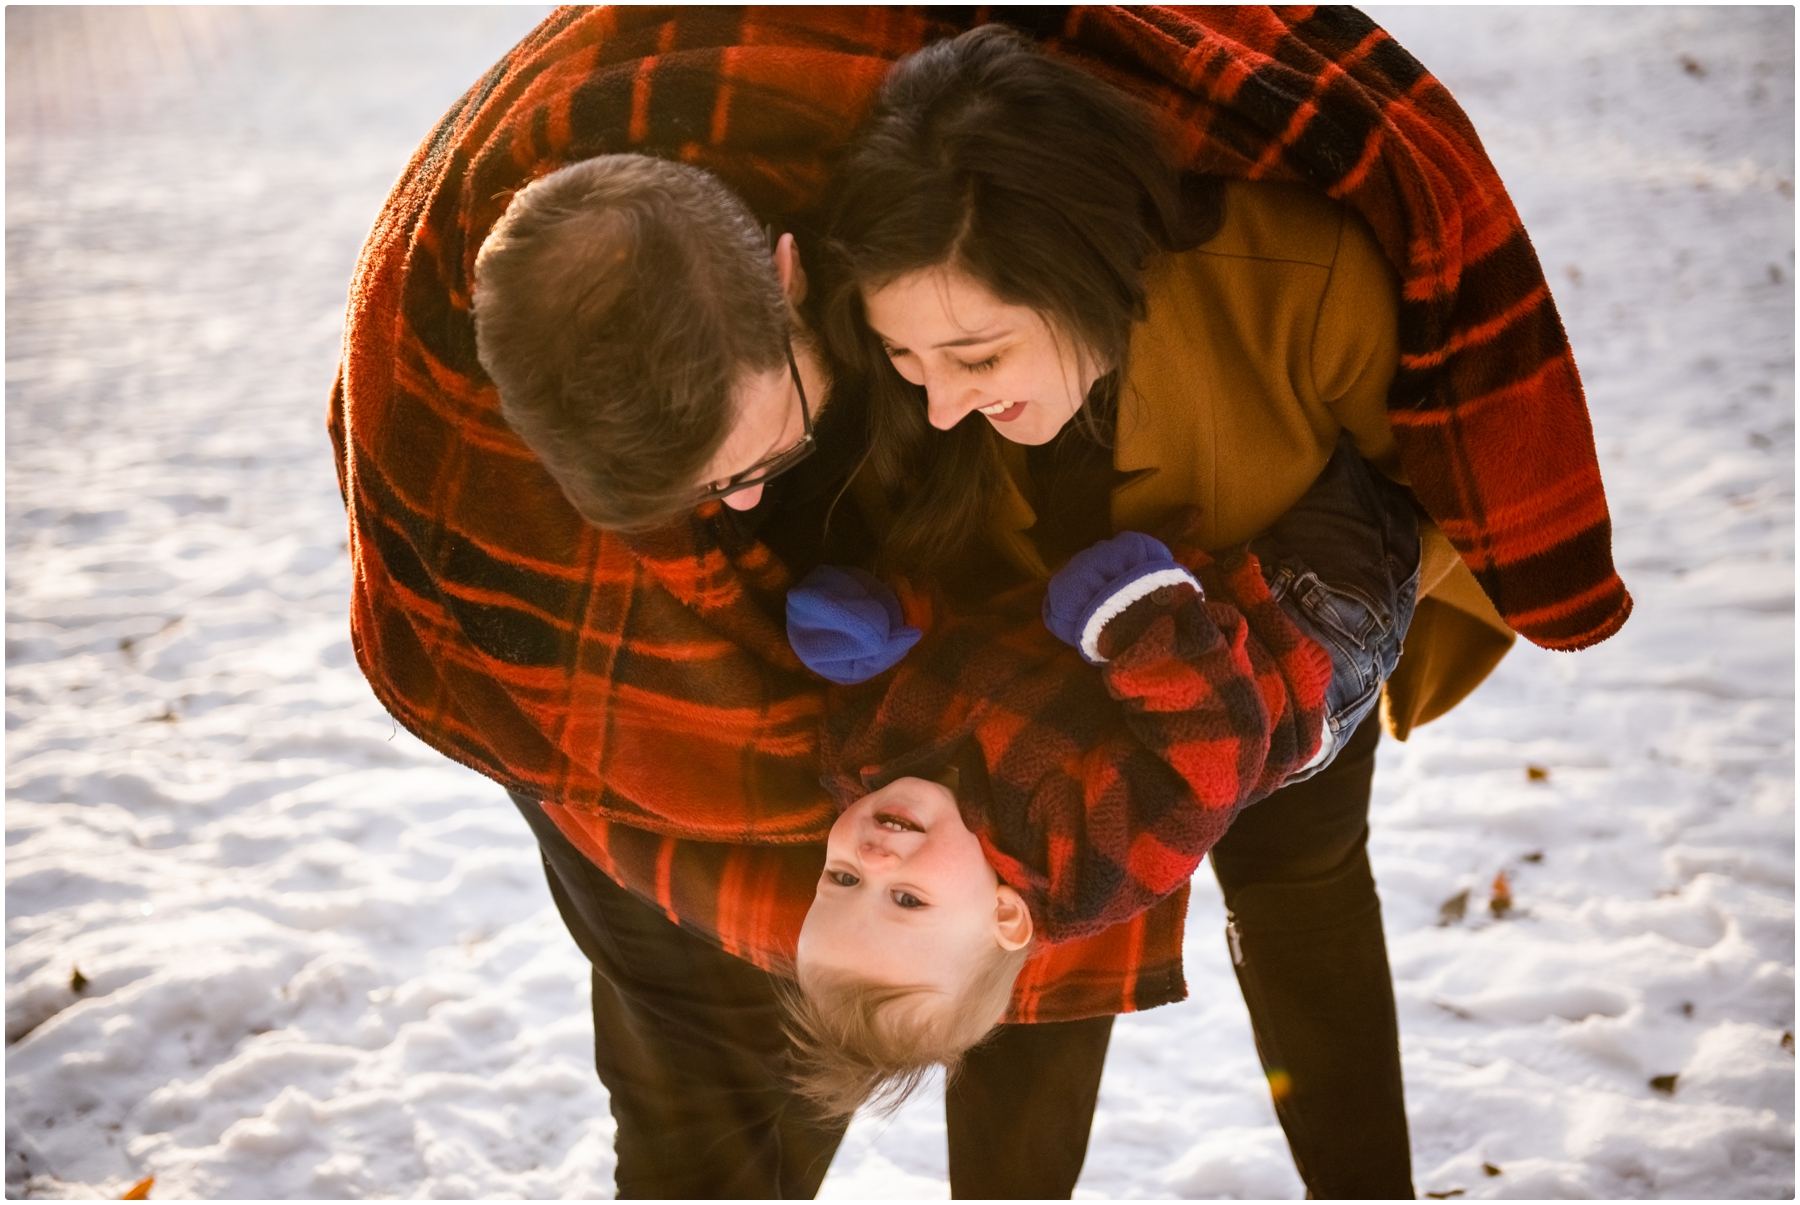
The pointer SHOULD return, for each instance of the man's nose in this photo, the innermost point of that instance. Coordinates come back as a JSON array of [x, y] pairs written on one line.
[[744, 499]]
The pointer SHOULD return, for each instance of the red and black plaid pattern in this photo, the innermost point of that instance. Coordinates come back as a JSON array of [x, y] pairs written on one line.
[[1103, 788], [568, 664], [1487, 406], [750, 900]]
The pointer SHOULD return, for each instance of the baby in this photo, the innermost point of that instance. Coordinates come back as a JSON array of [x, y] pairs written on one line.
[[1105, 790]]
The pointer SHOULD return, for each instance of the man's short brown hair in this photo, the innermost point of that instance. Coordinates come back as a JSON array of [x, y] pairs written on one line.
[[618, 303]]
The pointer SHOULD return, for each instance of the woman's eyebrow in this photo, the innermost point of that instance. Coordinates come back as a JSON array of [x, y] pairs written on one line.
[[968, 340], [893, 347]]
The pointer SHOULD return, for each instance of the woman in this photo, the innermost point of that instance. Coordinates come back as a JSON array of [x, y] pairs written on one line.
[[1063, 339]]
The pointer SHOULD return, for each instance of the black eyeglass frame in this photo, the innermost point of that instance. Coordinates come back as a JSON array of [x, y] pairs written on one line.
[[781, 462]]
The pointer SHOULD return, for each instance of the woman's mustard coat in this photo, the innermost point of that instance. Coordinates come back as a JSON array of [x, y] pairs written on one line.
[[1258, 348]]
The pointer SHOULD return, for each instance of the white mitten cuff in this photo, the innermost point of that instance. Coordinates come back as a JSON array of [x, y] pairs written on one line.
[[1131, 592]]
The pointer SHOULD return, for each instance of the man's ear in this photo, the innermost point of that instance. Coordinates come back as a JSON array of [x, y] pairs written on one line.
[[1012, 920], [789, 270]]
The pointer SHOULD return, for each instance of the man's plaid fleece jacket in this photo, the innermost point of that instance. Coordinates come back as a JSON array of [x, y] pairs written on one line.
[[642, 685]]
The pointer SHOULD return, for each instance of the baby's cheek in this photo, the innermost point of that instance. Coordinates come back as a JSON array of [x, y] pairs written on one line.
[[813, 947]]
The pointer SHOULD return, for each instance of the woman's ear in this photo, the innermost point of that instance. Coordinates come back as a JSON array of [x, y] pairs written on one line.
[[1012, 920], [789, 270]]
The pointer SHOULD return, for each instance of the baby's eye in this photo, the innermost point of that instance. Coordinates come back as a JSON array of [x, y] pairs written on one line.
[[907, 899], [842, 878]]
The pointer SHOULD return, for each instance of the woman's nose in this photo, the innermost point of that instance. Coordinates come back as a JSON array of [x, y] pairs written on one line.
[[946, 406]]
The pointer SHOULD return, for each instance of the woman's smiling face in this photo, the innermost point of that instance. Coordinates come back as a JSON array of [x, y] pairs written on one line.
[[971, 351]]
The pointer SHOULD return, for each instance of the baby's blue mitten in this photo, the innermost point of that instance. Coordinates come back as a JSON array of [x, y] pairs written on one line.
[[1098, 583], [846, 625]]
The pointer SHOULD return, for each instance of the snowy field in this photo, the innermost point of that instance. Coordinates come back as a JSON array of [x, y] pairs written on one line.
[[260, 944]]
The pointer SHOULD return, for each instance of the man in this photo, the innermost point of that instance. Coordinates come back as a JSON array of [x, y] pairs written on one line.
[[633, 687], [647, 344], [623, 307]]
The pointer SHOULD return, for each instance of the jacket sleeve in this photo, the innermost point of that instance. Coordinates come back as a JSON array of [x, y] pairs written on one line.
[[1098, 791]]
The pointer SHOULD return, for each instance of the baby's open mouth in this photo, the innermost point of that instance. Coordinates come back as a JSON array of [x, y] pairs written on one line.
[[899, 824]]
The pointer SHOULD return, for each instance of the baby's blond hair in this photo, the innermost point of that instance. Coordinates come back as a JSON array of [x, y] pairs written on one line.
[[856, 1040]]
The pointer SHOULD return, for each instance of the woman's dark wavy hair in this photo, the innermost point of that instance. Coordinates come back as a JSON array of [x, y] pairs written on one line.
[[1040, 181]]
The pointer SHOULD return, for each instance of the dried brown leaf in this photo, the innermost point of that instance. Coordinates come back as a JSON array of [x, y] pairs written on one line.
[[1452, 910], [1500, 900]]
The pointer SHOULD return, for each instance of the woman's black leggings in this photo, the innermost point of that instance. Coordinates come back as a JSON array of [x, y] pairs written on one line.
[[1304, 930]]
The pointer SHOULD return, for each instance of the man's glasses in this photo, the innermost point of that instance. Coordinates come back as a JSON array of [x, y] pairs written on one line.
[[779, 463]]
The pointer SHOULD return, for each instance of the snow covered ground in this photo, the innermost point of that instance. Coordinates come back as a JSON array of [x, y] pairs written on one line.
[[260, 944]]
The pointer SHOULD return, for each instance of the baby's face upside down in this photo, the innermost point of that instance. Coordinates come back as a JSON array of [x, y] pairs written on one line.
[[908, 897]]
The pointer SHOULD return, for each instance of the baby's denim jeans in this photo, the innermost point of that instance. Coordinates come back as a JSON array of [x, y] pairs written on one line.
[[1343, 562]]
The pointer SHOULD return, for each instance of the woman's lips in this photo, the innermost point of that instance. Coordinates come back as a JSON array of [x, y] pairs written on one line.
[[1012, 411]]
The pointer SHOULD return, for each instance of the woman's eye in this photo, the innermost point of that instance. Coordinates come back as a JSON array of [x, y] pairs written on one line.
[[985, 365], [907, 899], [842, 878]]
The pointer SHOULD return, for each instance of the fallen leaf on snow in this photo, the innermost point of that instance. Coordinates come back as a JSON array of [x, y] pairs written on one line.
[[1453, 909], [140, 1191], [1501, 901]]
